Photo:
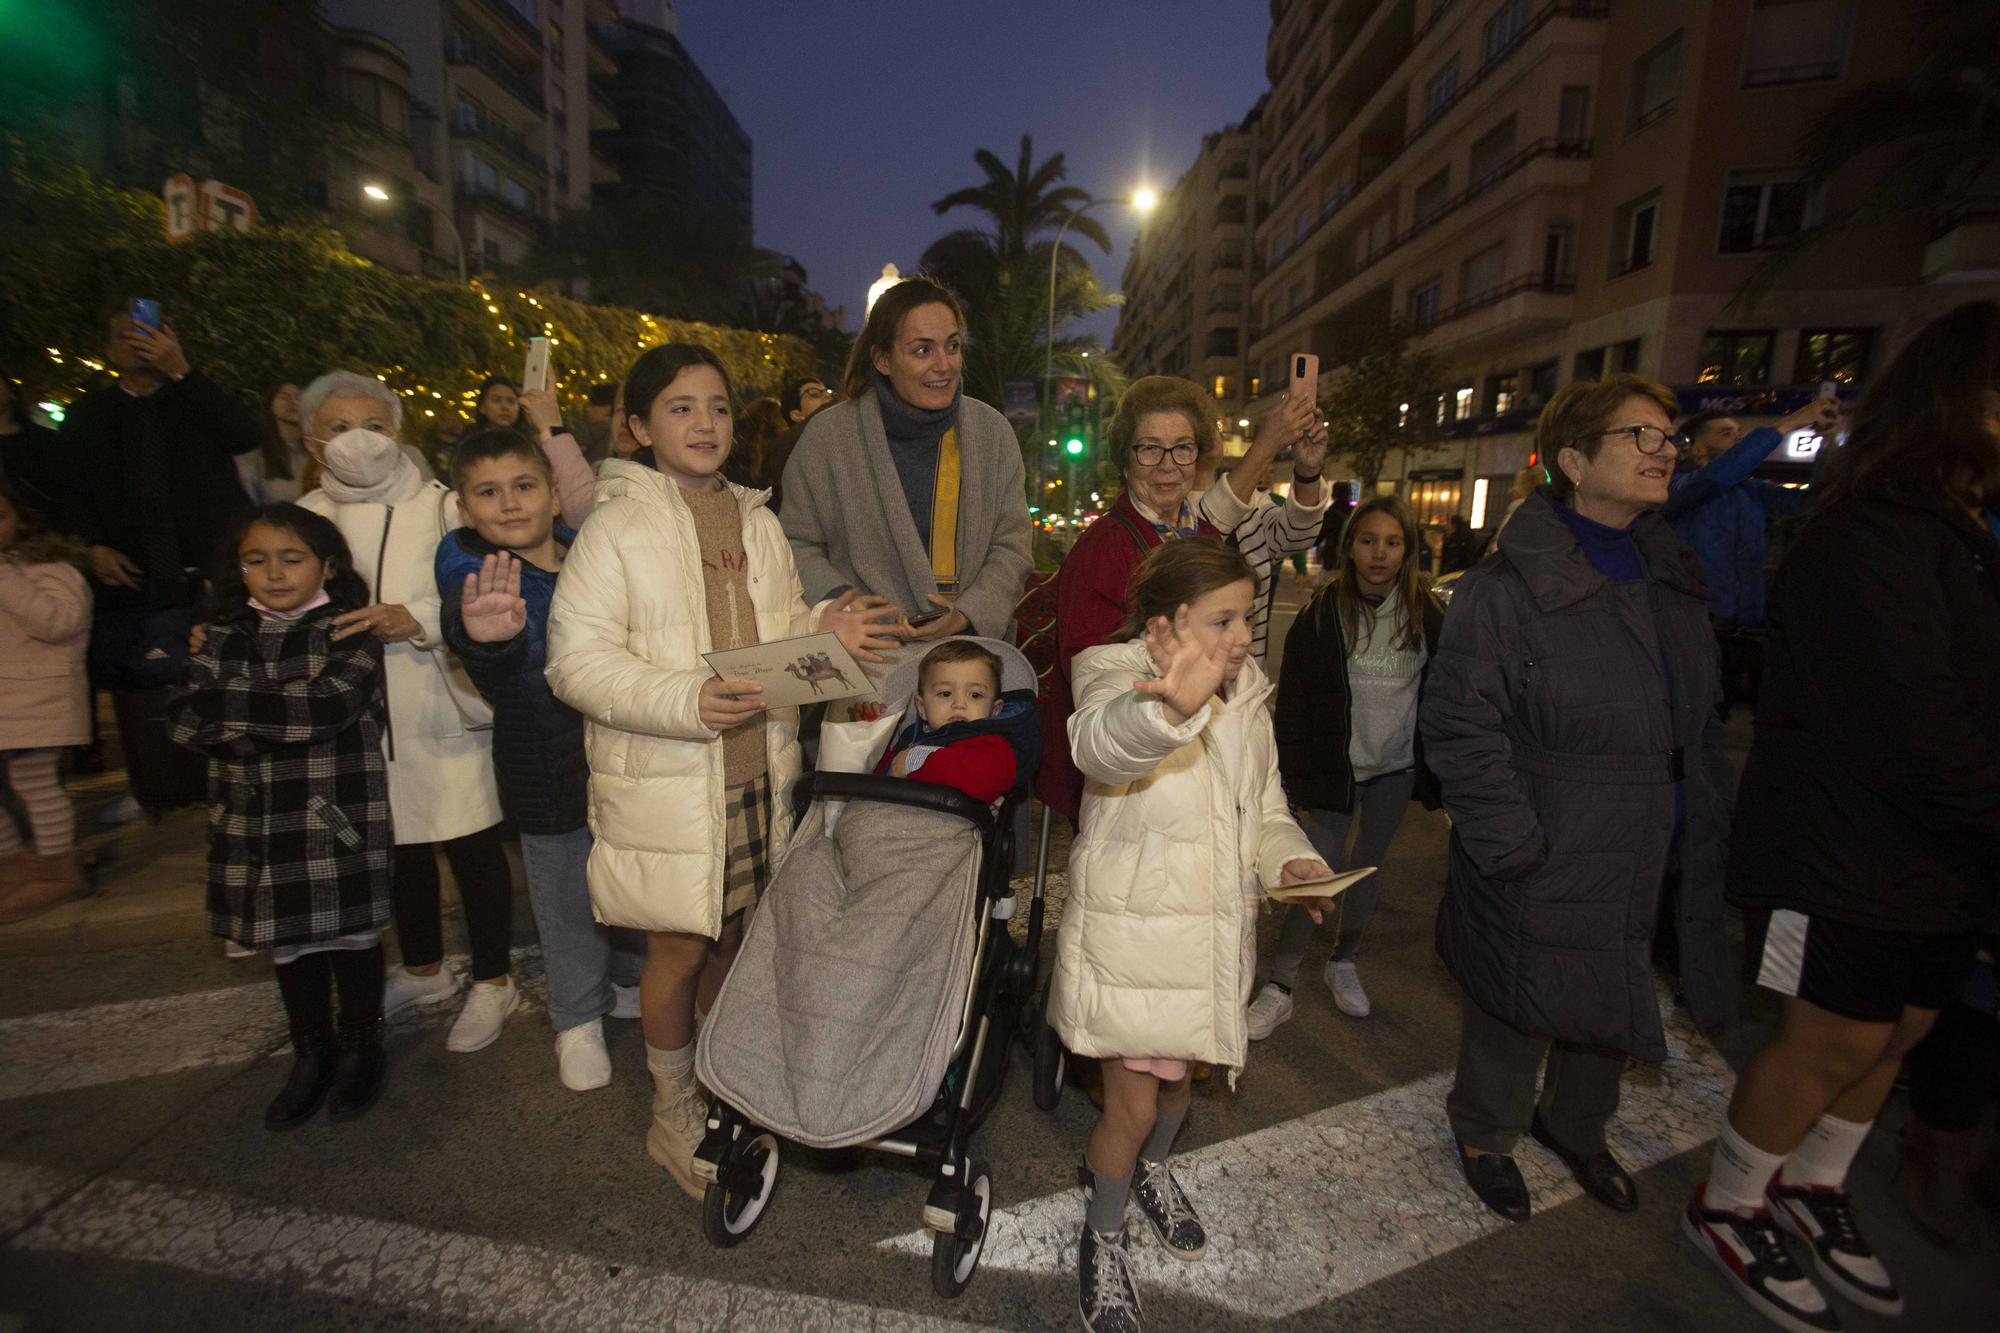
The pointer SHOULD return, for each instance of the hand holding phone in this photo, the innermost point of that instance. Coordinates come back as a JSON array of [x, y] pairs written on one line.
[[535, 372], [146, 313]]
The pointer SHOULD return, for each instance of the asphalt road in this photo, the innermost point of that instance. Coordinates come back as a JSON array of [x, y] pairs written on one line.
[[138, 1188]]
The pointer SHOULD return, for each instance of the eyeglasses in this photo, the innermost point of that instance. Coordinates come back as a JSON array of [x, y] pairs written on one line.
[[815, 391], [1648, 440], [1149, 455]]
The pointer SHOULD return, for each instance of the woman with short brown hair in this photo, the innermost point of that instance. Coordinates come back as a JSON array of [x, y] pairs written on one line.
[[1569, 717]]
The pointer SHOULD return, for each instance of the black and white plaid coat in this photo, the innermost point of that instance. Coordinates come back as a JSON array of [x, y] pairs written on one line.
[[298, 830]]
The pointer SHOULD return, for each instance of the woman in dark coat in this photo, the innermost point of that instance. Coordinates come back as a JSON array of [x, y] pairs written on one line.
[[1569, 716], [1868, 826]]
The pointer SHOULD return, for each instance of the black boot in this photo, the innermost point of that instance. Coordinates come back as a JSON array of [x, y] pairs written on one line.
[[361, 1065], [306, 984], [358, 974]]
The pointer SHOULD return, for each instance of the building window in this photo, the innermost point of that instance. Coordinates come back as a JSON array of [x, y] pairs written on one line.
[[1439, 92], [555, 44], [1762, 209], [1302, 226], [1635, 233], [1840, 355], [1221, 388], [490, 248], [1625, 356], [1491, 152], [1424, 303], [525, 8], [1505, 28], [558, 102], [1431, 197], [1656, 79], [1502, 393], [1541, 381], [1589, 364], [1796, 41], [1483, 272], [1555, 257], [1573, 113], [467, 114], [1735, 356], [1461, 403], [1256, 385]]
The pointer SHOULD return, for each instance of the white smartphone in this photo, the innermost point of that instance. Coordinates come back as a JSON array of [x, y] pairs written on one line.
[[1829, 390], [535, 374], [1305, 375]]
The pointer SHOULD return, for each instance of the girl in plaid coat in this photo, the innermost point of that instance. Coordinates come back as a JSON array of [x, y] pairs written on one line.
[[289, 713]]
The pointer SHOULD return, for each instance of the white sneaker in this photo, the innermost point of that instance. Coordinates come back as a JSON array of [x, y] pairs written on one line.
[[121, 811], [1348, 997], [486, 1008], [404, 988], [1272, 1007], [625, 1001], [581, 1058]]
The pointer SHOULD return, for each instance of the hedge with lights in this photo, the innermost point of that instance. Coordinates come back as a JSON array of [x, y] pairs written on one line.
[[287, 302]]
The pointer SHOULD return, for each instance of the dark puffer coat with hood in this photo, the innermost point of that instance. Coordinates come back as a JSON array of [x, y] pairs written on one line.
[[1562, 712]]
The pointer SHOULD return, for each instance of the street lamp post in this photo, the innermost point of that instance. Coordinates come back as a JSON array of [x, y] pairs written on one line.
[[380, 194]]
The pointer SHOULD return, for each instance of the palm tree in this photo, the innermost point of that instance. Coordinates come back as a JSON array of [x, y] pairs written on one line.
[[1007, 311], [1929, 138], [1022, 203]]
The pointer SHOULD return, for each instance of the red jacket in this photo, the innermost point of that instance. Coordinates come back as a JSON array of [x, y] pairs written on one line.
[[1091, 588], [980, 766]]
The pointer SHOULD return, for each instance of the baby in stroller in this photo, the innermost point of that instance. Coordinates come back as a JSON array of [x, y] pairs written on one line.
[[958, 686]]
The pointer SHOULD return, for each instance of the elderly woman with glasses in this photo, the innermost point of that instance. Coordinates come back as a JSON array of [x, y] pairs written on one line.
[[1570, 718]]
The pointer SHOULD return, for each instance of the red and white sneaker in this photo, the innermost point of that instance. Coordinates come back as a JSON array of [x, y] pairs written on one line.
[[1752, 1255], [1823, 1217]]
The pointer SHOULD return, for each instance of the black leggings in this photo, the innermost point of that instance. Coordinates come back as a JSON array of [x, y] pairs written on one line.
[[485, 887]]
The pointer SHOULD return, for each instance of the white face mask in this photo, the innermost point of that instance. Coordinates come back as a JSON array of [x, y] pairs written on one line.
[[362, 457]]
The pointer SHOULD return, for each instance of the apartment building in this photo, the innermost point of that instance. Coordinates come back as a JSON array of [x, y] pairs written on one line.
[[1186, 282], [498, 101], [1553, 191]]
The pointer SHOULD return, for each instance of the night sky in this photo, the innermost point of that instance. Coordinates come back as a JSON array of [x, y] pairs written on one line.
[[863, 113]]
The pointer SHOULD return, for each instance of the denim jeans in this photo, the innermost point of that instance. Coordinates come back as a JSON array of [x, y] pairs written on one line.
[[1381, 803], [582, 957]]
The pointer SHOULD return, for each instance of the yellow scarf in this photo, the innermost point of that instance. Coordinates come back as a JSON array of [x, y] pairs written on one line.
[[944, 515]]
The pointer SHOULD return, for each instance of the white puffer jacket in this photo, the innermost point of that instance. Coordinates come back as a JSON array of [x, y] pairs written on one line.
[[1179, 827], [626, 633]]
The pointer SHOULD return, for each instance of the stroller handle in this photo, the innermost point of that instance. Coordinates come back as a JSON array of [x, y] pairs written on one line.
[[896, 791]]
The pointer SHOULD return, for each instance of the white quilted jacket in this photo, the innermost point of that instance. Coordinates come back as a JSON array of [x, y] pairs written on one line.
[[626, 633], [1180, 824]]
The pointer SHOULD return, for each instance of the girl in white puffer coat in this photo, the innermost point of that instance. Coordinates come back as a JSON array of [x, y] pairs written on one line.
[[1183, 819]]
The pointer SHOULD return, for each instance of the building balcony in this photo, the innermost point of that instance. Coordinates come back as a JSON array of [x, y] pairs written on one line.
[[506, 140], [521, 83], [1966, 247], [472, 196], [603, 111], [508, 25], [1533, 302]]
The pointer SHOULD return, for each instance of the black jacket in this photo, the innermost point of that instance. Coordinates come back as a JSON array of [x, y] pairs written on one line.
[[197, 430], [1558, 714], [1314, 721], [537, 738], [1872, 791]]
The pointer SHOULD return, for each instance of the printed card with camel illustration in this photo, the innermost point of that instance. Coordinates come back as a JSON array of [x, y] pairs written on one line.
[[810, 669]]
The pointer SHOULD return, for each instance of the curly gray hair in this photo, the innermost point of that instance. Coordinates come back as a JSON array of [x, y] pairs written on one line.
[[347, 384]]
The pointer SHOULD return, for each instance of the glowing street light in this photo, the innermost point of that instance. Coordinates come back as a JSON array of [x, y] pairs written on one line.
[[891, 275]]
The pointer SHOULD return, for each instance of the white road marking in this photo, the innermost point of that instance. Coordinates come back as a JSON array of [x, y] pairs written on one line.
[[1314, 1208], [111, 1043], [463, 1279]]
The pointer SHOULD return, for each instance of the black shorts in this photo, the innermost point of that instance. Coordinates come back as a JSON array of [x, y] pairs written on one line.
[[1858, 972]]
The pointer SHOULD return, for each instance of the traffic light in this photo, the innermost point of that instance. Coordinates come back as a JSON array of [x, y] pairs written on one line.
[[1073, 436]]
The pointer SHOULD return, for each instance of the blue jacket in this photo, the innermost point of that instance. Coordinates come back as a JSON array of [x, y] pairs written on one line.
[[537, 739], [1721, 513]]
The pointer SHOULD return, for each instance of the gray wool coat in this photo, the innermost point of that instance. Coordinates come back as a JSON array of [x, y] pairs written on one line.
[[850, 526], [1558, 710]]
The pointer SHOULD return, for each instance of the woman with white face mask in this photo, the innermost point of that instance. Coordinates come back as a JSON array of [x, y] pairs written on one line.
[[437, 737]]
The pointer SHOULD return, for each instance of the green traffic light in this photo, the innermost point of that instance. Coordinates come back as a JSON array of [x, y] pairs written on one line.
[[1074, 447]]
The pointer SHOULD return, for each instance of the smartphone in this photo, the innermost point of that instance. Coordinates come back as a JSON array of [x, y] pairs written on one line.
[[1829, 390], [1305, 375], [535, 374], [146, 313], [938, 613]]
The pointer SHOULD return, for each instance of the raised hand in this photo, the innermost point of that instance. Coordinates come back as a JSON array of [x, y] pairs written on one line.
[[491, 605], [1189, 674], [725, 703], [539, 406], [866, 626]]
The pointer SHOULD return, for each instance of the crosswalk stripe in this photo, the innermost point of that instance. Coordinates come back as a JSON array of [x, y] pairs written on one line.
[[466, 1279], [111, 1043], [1322, 1205]]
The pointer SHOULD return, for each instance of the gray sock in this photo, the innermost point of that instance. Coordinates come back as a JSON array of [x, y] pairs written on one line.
[[1106, 1213], [1161, 1141]]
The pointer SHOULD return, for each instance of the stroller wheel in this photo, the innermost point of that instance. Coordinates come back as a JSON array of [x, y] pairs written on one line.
[[1051, 1063], [734, 1204], [955, 1253]]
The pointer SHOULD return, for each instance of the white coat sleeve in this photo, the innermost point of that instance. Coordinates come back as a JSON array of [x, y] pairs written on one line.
[[591, 669], [427, 606], [1118, 735], [1279, 837]]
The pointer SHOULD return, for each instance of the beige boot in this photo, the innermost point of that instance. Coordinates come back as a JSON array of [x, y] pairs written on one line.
[[680, 1118], [50, 881]]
